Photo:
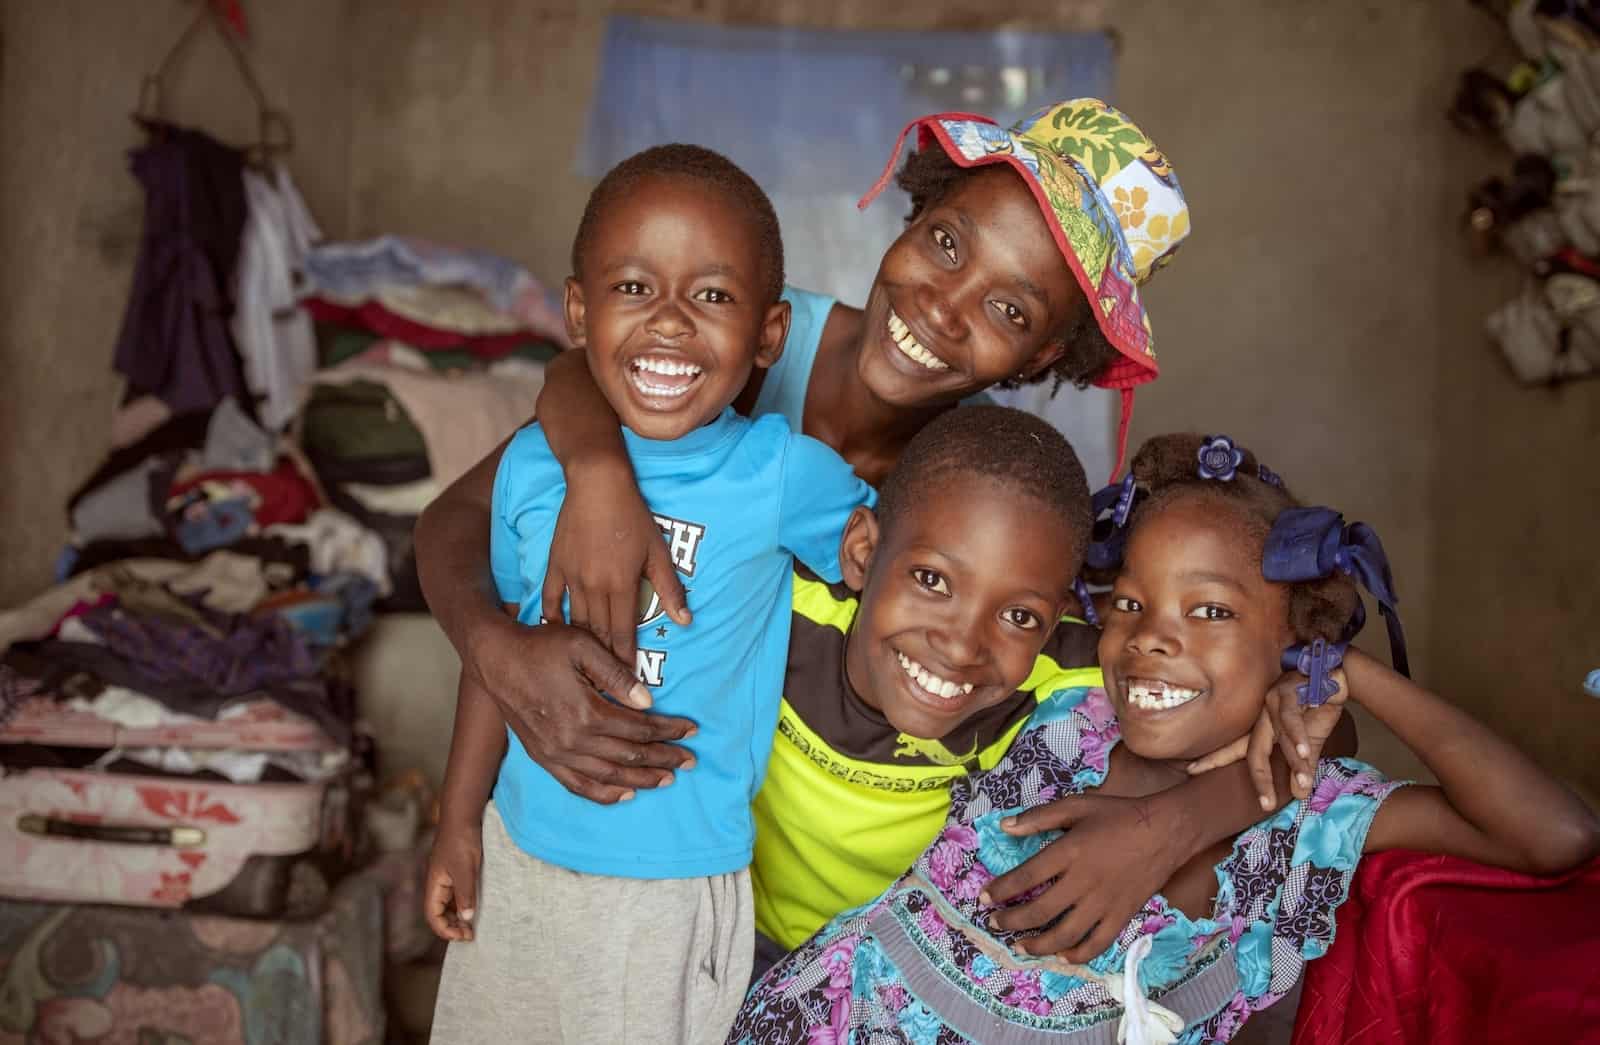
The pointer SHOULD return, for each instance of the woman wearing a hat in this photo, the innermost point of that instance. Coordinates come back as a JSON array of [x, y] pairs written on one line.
[[1021, 261]]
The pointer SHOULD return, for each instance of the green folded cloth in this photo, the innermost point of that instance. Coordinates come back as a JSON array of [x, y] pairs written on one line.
[[357, 421]]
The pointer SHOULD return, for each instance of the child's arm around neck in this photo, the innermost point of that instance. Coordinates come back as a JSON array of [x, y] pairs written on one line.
[[1493, 803], [605, 537]]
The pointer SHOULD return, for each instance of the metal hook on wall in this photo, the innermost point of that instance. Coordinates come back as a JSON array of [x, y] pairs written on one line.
[[275, 133]]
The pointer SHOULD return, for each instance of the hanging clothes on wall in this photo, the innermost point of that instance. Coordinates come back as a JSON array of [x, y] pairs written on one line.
[[273, 333], [174, 342]]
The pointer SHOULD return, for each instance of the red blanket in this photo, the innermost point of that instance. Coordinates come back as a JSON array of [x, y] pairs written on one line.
[[1433, 950]]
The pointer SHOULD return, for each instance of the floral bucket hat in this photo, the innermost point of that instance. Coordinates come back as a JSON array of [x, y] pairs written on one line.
[[1112, 203]]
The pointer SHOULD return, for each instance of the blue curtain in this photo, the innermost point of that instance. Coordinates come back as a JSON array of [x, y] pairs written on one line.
[[811, 114]]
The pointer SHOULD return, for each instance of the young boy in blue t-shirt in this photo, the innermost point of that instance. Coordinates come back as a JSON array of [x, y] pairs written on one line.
[[677, 269]]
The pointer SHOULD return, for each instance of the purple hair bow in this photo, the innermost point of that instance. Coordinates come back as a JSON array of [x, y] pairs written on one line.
[[1308, 544], [1110, 508]]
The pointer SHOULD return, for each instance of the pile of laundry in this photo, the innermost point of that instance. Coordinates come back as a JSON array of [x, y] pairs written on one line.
[[178, 724], [1546, 214], [431, 357], [284, 389]]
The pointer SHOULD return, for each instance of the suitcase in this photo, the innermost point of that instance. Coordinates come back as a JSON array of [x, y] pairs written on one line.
[[92, 973], [79, 825]]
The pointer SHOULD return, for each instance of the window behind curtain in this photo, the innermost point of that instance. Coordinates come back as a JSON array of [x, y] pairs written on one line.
[[811, 114]]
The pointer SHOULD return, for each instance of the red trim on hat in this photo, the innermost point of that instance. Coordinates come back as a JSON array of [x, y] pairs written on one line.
[[899, 143], [1126, 412]]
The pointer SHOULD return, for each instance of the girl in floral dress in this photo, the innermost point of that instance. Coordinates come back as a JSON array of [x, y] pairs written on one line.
[[1223, 579]]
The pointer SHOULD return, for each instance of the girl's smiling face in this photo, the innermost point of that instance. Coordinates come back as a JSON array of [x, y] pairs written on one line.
[[1195, 633]]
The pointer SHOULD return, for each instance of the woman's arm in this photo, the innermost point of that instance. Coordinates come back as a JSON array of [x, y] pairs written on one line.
[[1493, 803], [543, 681], [605, 538], [1132, 835], [452, 548], [1121, 847]]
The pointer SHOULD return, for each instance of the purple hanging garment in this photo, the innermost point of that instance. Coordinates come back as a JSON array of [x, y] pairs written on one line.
[[174, 342]]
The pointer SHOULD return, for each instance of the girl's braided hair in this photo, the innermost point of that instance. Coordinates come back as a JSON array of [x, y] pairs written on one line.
[[1167, 469]]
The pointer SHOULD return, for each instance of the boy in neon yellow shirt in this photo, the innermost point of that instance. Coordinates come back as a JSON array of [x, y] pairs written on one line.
[[884, 706], [951, 624]]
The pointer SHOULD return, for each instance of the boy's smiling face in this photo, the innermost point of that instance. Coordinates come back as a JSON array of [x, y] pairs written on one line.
[[957, 599], [671, 306], [1194, 634]]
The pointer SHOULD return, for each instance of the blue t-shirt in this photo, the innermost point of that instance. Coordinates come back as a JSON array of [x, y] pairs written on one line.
[[783, 389], [734, 499]]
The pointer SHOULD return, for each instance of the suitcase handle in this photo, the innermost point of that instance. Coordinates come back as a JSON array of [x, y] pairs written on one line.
[[122, 834]]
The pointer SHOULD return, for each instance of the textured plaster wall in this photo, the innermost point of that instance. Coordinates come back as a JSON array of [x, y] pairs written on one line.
[[1329, 311], [70, 212]]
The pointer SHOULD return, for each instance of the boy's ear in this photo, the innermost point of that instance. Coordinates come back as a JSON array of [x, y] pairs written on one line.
[[774, 331], [857, 546], [572, 305]]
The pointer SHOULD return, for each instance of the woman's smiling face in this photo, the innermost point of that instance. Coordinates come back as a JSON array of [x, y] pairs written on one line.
[[973, 292], [1195, 633]]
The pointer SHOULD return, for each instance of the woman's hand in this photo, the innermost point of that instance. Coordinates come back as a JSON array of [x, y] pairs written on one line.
[[547, 682], [1299, 732], [605, 540], [450, 890], [1119, 852]]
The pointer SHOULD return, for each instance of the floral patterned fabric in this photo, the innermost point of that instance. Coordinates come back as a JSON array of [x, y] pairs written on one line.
[[1110, 198], [130, 976], [869, 974]]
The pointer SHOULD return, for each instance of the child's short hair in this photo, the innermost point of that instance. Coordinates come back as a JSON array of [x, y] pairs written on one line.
[[999, 443], [1167, 469], [929, 175], [700, 164]]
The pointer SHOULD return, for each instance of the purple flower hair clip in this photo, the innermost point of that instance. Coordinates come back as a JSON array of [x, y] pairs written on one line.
[[1219, 458]]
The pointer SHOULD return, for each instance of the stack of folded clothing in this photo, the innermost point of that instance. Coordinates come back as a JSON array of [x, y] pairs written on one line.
[[208, 480], [458, 307], [431, 356]]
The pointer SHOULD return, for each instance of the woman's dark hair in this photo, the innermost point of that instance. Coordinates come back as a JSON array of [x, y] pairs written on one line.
[[929, 175], [1167, 466]]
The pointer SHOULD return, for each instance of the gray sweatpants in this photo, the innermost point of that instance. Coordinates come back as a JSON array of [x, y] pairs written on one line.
[[561, 956]]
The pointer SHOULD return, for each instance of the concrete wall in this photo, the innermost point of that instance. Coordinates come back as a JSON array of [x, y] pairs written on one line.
[[1326, 311], [468, 126], [1329, 312], [70, 213]]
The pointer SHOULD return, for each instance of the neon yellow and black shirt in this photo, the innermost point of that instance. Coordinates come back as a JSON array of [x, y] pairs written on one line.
[[849, 802]]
